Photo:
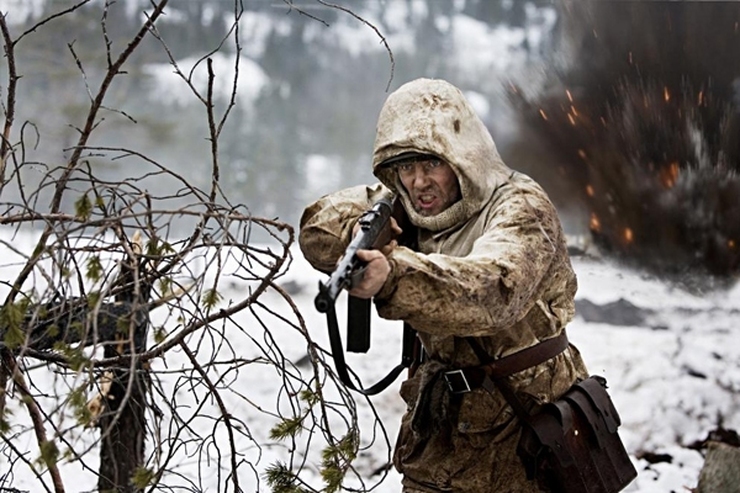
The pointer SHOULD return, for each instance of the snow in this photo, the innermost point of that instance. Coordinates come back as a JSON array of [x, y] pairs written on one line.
[[671, 377], [169, 87], [652, 369], [19, 10]]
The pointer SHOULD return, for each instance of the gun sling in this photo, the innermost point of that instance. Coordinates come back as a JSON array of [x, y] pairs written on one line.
[[335, 341]]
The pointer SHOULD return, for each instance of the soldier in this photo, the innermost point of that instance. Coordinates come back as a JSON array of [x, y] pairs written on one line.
[[487, 276]]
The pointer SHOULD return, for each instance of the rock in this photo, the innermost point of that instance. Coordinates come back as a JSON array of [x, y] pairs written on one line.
[[720, 473], [620, 312], [293, 288]]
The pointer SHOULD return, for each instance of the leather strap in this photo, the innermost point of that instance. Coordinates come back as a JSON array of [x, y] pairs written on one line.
[[526, 358], [466, 379]]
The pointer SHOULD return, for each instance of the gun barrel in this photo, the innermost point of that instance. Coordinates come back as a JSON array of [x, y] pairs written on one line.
[[326, 297], [339, 279], [322, 303]]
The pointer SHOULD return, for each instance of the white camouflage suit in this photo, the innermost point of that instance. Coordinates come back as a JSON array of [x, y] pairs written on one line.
[[493, 266]]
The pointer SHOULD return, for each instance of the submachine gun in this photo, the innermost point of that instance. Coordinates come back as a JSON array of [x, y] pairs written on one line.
[[374, 232]]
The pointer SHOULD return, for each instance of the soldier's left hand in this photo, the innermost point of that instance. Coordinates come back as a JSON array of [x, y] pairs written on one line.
[[376, 272]]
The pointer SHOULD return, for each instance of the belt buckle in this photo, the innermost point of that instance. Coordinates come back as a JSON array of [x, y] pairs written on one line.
[[457, 382]]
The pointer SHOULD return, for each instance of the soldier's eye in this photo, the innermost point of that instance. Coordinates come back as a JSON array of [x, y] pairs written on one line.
[[405, 167]]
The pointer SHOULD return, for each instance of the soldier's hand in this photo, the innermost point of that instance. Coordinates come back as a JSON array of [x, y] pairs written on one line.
[[376, 273]]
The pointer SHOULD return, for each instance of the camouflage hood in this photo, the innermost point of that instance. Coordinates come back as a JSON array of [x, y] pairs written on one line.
[[433, 117]]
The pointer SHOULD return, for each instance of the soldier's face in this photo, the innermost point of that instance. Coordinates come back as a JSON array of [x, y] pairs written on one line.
[[430, 183]]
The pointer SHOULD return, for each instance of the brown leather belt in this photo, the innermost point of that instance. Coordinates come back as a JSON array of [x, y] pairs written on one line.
[[466, 379]]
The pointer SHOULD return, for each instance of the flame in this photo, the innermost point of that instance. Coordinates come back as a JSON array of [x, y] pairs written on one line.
[[542, 114], [589, 190], [666, 94], [669, 175], [628, 236], [594, 223]]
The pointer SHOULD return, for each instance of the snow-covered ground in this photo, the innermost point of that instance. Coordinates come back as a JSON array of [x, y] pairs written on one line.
[[673, 376], [670, 357]]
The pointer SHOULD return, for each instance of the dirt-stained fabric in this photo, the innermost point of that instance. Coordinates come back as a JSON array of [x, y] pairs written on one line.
[[493, 266]]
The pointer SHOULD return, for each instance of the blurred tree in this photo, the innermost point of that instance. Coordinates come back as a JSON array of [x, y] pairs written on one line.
[[324, 95]]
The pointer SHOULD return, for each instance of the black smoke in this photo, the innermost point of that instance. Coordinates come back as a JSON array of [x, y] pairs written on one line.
[[640, 115]]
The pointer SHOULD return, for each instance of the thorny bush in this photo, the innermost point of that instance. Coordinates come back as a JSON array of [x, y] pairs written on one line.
[[124, 360]]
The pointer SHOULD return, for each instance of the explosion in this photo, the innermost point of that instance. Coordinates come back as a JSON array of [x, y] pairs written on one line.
[[643, 114]]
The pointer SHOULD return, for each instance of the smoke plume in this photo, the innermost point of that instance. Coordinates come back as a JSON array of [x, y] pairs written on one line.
[[642, 118]]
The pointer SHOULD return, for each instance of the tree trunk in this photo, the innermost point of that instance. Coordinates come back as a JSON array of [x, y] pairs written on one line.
[[123, 428], [123, 423]]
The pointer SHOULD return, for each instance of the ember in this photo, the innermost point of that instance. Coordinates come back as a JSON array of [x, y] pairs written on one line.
[[644, 116]]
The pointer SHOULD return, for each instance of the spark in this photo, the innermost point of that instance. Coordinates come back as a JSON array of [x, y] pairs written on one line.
[[582, 154], [594, 223], [666, 94], [542, 114], [589, 190], [628, 236], [570, 96], [669, 175]]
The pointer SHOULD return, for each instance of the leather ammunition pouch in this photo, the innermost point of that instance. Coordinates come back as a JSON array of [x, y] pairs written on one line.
[[572, 445]]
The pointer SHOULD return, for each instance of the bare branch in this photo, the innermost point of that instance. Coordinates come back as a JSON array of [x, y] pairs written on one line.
[[359, 18], [169, 333], [44, 444]]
